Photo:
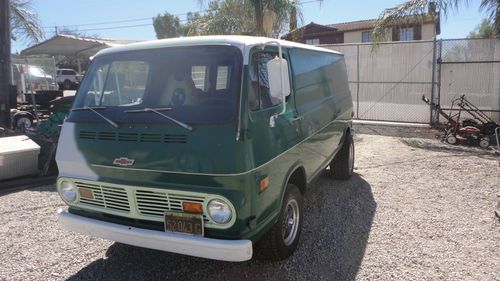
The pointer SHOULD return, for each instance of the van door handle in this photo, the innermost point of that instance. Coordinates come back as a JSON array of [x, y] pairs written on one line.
[[296, 118]]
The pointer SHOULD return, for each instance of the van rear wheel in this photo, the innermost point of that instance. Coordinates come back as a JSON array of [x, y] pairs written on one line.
[[342, 166], [281, 241]]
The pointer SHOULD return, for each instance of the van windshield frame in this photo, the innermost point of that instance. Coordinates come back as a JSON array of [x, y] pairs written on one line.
[[202, 85]]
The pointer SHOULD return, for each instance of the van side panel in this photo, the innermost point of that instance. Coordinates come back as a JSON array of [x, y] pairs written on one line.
[[320, 85], [320, 95]]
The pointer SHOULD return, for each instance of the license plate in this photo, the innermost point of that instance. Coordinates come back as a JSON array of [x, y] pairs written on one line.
[[184, 223]]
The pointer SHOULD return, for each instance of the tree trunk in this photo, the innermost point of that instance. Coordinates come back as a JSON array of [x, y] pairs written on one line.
[[293, 17], [496, 24], [259, 17]]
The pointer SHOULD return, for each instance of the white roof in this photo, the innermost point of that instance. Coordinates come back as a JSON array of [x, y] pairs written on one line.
[[63, 44], [239, 41]]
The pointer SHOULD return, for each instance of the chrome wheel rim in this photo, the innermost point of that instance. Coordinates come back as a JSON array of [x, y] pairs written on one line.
[[351, 158], [290, 222]]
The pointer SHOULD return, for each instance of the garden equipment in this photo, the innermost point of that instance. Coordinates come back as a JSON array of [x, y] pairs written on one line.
[[478, 130]]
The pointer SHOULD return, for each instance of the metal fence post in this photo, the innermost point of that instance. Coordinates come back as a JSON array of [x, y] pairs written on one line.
[[433, 113], [357, 81], [438, 64]]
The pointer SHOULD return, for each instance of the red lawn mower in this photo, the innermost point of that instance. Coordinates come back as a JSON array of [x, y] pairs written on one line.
[[478, 130]]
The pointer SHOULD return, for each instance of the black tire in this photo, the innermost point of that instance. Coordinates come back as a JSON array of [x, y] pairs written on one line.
[[67, 85], [22, 122], [281, 240], [342, 167]]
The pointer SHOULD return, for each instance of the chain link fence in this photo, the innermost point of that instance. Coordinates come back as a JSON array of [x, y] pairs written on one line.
[[470, 67], [387, 81]]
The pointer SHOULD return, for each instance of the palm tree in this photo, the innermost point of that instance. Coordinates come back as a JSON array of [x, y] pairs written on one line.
[[24, 22], [418, 10], [271, 15]]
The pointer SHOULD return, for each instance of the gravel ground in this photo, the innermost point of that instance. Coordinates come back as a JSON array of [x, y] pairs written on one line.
[[415, 210]]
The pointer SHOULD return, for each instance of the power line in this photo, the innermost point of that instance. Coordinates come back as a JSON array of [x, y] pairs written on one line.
[[136, 20], [97, 23], [108, 28]]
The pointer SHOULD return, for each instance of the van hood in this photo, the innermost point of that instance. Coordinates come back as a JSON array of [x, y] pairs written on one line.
[[92, 151]]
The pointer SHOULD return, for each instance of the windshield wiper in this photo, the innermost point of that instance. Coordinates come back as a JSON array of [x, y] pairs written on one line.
[[93, 109], [157, 111]]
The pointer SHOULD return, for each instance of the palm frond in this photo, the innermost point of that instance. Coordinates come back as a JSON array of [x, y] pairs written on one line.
[[492, 7], [25, 25], [411, 12]]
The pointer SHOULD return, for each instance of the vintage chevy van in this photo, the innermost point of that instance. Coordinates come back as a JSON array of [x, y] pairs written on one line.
[[204, 146]]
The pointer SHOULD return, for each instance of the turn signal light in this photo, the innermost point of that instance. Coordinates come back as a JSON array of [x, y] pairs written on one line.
[[86, 193], [264, 183], [190, 207]]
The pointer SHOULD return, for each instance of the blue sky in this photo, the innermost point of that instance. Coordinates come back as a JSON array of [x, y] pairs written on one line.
[[72, 12]]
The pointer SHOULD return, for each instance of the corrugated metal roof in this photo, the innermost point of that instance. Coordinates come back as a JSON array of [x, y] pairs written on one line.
[[63, 44]]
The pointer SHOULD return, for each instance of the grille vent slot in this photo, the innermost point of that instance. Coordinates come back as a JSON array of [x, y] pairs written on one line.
[[150, 138], [133, 137], [175, 138], [127, 136], [106, 136], [87, 135]]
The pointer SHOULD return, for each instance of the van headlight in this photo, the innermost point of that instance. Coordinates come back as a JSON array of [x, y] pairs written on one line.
[[67, 190], [219, 211]]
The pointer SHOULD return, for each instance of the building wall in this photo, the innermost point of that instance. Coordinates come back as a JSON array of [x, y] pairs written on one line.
[[325, 39], [352, 37], [428, 31]]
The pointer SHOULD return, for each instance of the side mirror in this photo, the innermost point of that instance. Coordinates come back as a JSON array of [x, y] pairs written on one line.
[[279, 84], [279, 79]]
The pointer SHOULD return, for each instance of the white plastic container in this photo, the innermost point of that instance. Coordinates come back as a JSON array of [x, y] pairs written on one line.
[[18, 157]]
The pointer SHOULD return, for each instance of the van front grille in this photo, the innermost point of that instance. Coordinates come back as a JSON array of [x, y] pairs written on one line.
[[133, 137], [154, 203], [140, 203], [107, 197]]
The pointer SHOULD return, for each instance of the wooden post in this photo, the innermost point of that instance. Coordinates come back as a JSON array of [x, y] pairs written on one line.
[[5, 71]]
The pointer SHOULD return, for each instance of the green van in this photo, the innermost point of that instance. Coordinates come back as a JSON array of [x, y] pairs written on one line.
[[204, 146]]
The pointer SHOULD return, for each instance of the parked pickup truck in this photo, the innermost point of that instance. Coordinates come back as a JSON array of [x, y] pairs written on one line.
[[67, 79]]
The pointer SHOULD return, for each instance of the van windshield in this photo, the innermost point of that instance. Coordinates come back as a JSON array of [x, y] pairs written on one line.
[[198, 85]]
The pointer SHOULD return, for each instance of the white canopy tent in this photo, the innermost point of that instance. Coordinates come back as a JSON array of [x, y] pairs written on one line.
[[70, 45]]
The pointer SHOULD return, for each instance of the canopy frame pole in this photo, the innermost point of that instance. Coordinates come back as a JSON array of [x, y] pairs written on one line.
[[77, 54], [79, 64]]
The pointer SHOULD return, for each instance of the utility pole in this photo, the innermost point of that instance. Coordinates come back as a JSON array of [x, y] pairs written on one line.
[[5, 72]]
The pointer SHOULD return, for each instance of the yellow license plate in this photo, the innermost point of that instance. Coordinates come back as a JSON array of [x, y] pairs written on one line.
[[184, 223]]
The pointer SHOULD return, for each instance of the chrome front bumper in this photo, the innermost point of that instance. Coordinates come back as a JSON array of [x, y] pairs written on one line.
[[218, 249]]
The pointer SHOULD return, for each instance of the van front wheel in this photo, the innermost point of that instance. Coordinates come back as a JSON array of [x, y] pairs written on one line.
[[342, 165], [281, 241]]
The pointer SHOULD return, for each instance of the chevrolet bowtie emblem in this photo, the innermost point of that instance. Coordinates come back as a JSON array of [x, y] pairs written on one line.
[[123, 161]]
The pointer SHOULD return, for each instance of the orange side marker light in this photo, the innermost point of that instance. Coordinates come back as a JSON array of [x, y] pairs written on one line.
[[191, 207], [264, 183]]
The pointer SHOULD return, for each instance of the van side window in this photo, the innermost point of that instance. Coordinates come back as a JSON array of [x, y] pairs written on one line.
[[316, 76], [259, 96]]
